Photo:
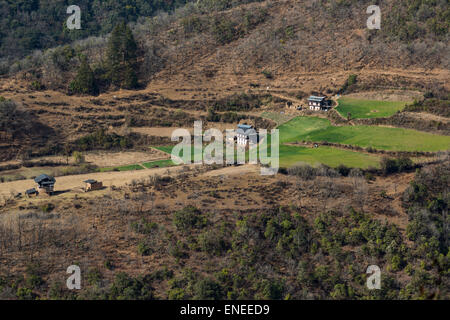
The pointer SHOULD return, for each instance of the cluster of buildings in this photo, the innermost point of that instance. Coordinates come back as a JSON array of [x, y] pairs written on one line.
[[246, 135], [46, 185]]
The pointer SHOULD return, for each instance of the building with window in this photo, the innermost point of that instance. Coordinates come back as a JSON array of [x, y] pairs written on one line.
[[316, 103]]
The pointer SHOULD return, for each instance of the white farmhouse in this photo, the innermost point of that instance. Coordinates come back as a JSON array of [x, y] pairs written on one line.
[[246, 135], [318, 103]]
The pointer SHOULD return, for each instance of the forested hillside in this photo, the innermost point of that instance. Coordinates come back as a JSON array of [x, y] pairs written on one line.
[[214, 37], [26, 25]]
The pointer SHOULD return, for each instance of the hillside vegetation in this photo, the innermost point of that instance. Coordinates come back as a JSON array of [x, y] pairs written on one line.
[[27, 25], [215, 37], [307, 235]]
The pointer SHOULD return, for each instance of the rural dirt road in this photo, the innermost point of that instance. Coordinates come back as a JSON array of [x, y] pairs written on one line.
[[75, 182]]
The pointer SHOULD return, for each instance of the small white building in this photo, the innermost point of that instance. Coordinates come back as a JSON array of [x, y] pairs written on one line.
[[318, 103], [246, 135]]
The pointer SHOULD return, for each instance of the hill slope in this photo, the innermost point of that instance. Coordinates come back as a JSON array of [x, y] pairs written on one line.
[[271, 41]]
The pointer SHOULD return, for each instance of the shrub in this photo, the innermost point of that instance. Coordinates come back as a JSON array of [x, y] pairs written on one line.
[[177, 294], [212, 243], [37, 86], [369, 176], [177, 250], [192, 24], [109, 264], [351, 81], [48, 207], [78, 157], [307, 172], [34, 281], [144, 227], [224, 30], [267, 74], [273, 289], [143, 249], [188, 219], [125, 287], [102, 140], [94, 276], [304, 171], [404, 164], [240, 102], [208, 289], [389, 166], [25, 294], [343, 170]]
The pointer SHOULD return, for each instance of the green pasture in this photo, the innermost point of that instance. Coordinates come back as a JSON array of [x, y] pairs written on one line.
[[130, 167], [385, 138], [159, 164], [290, 155], [368, 108]]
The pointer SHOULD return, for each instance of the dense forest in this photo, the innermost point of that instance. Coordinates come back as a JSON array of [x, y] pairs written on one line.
[[26, 25]]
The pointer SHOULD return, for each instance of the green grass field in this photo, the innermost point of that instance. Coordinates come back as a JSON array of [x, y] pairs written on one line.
[[130, 167], [159, 164], [368, 108], [396, 139], [291, 155], [318, 130], [166, 149], [298, 127]]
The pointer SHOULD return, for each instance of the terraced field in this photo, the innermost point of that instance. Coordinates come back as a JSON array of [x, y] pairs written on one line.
[[313, 129], [333, 157], [368, 108], [396, 139]]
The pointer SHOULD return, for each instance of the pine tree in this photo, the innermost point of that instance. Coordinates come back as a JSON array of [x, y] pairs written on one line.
[[121, 57], [84, 81]]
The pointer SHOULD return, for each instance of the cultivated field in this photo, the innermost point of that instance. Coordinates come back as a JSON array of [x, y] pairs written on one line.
[[385, 138], [333, 157], [359, 108]]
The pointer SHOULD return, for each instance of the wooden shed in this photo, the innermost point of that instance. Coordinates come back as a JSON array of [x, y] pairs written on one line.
[[32, 193], [92, 185]]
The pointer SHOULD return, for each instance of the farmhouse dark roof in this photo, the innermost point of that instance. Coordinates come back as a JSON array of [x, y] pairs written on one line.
[[31, 191], [245, 127], [44, 178], [316, 98], [91, 181]]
